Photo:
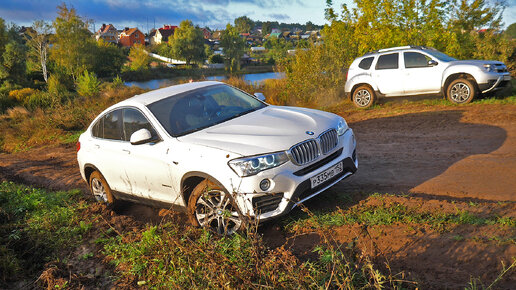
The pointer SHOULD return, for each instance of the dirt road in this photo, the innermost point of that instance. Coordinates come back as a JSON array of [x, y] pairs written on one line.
[[461, 152], [444, 157]]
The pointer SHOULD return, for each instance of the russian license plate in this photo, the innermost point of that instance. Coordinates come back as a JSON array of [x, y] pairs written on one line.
[[326, 174]]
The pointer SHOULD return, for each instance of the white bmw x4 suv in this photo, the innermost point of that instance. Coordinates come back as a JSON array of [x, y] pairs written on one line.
[[223, 155]]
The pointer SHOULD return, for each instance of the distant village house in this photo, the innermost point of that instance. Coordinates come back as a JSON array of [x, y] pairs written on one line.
[[162, 34], [131, 36], [108, 33]]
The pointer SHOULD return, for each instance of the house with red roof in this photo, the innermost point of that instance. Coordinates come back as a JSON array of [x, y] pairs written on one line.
[[131, 36], [108, 33]]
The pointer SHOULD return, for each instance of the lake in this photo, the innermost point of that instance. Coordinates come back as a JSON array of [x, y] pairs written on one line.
[[159, 83]]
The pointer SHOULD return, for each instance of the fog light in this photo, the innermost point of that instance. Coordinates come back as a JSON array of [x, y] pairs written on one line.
[[265, 184]]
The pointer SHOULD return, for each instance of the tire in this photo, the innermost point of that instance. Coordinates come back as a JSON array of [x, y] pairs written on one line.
[[101, 190], [461, 91], [214, 209], [363, 97]]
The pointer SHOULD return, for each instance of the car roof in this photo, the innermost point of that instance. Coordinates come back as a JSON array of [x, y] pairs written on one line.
[[159, 94], [396, 49]]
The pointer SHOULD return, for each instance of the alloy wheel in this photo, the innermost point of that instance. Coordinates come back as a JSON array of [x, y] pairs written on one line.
[[460, 92], [362, 98], [98, 190], [215, 211]]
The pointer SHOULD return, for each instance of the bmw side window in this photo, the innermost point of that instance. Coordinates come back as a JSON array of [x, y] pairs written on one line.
[[387, 61], [415, 59], [134, 120], [113, 125], [98, 129], [365, 64]]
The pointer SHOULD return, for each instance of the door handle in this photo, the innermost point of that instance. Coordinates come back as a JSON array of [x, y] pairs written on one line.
[[97, 146], [126, 151]]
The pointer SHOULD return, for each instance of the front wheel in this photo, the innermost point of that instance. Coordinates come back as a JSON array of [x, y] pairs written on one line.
[[101, 190], [461, 91], [214, 209], [363, 97]]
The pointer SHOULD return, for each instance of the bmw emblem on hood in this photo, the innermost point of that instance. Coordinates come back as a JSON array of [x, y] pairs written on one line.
[[309, 133]]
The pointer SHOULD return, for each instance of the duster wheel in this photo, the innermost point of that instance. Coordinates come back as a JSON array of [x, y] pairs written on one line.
[[363, 97], [461, 91]]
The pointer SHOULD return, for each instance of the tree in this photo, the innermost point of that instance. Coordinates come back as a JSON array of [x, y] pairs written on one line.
[[233, 46], [309, 26], [109, 59], [244, 24], [140, 59], [188, 43], [467, 18], [277, 48], [266, 28], [74, 47], [13, 66], [37, 41], [14, 33], [510, 32], [3, 36]]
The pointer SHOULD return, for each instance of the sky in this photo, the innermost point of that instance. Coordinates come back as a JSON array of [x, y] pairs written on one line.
[[146, 14]]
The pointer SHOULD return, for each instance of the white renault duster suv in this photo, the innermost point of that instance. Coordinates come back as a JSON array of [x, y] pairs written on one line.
[[222, 154], [419, 70]]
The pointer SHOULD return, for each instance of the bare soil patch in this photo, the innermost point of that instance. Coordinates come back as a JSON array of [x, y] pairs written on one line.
[[443, 157]]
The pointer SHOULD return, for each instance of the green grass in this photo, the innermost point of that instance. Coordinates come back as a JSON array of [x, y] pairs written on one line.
[[35, 227], [71, 138], [171, 256], [395, 214]]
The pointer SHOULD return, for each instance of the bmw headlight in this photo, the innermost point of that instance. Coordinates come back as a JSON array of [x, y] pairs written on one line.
[[342, 127], [490, 67], [248, 166]]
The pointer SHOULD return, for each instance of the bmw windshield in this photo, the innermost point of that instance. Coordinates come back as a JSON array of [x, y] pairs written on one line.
[[202, 108]]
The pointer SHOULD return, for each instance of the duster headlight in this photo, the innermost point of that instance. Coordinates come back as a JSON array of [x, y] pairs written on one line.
[[248, 166], [490, 67]]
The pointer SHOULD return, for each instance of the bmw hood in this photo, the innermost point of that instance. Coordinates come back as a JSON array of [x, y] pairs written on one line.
[[270, 129]]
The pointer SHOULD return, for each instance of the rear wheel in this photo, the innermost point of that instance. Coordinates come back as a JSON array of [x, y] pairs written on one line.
[[214, 209], [363, 97], [461, 91], [100, 189]]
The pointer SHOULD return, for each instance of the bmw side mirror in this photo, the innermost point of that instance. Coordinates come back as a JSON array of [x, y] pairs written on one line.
[[141, 136], [260, 96], [432, 62]]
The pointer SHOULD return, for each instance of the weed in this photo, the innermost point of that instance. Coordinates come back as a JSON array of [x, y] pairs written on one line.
[[458, 238], [392, 214], [476, 283], [86, 256], [37, 225]]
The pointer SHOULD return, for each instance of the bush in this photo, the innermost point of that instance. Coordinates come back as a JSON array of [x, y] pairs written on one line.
[[57, 88], [31, 98], [22, 95], [39, 100], [88, 85], [5, 102], [216, 58], [117, 82]]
